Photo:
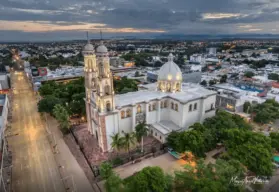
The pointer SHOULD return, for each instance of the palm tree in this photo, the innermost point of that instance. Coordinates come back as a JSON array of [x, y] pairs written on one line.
[[128, 140], [117, 142], [141, 130]]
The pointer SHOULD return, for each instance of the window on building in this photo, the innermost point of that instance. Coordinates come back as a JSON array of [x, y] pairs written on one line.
[[159, 86], [172, 105], [122, 114], [176, 107], [160, 137], [138, 109], [108, 106], [212, 106], [166, 104], [162, 104], [195, 106], [149, 107], [156, 134], [107, 89], [177, 86], [154, 106], [128, 113], [98, 89], [190, 107]]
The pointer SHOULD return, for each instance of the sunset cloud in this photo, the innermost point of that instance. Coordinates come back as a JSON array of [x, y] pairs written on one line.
[[220, 15], [43, 26], [63, 18]]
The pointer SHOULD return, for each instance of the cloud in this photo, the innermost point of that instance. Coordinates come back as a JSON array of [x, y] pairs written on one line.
[[220, 15], [120, 16], [252, 30], [245, 26], [43, 26]]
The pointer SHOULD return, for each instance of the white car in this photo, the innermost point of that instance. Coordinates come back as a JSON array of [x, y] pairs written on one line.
[[275, 165]]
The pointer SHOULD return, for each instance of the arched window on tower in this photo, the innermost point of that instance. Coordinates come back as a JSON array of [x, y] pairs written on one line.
[[172, 105], [138, 109], [107, 89], [128, 113], [122, 114], [108, 106], [190, 107], [90, 64], [101, 69], [162, 104]]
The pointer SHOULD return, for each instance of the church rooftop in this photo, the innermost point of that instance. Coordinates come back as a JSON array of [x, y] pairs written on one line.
[[189, 92]]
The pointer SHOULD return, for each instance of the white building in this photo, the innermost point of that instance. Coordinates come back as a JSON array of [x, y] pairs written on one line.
[[4, 109], [197, 58], [168, 105]]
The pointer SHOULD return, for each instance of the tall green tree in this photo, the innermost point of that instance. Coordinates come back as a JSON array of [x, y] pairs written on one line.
[[203, 83], [247, 107], [62, 116], [117, 142], [114, 183], [149, 179], [173, 141], [223, 79], [47, 104], [141, 131], [274, 140]]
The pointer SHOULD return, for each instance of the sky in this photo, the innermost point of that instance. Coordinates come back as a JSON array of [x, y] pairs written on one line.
[[28, 20]]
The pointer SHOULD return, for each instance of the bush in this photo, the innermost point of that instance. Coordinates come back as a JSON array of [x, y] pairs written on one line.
[[65, 131], [117, 161]]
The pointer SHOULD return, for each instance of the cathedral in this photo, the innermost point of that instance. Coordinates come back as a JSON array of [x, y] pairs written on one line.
[[166, 106]]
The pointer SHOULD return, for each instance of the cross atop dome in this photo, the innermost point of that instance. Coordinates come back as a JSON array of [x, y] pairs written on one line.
[[170, 57]]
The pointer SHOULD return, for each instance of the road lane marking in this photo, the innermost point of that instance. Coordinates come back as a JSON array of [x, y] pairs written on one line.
[[50, 172]]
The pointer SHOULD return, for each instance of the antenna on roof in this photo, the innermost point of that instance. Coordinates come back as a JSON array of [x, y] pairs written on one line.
[[101, 34], [87, 36]]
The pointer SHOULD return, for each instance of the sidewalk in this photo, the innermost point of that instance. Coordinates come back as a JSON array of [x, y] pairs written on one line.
[[74, 177]]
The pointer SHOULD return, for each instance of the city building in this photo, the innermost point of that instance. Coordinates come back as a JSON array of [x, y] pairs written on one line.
[[166, 106], [212, 51], [4, 109]]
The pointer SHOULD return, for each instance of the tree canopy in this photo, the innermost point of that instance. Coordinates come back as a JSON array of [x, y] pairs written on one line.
[[249, 74], [204, 137], [71, 95], [252, 149], [266, 112], [213, 177], [125, 85]]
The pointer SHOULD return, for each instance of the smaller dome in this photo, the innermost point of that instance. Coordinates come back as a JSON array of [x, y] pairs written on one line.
[[101, 48], [88, 47], [170, 71]]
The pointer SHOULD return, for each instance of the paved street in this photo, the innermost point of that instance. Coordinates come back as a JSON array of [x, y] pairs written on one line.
[[34, 166]]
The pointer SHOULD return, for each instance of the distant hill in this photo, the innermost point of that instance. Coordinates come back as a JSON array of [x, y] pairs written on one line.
[[216, 37]]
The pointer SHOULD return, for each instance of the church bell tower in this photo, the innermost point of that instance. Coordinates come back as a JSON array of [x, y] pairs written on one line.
[[90, 74]]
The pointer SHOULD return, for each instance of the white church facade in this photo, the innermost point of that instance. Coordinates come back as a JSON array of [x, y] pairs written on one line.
[[166, 106]]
